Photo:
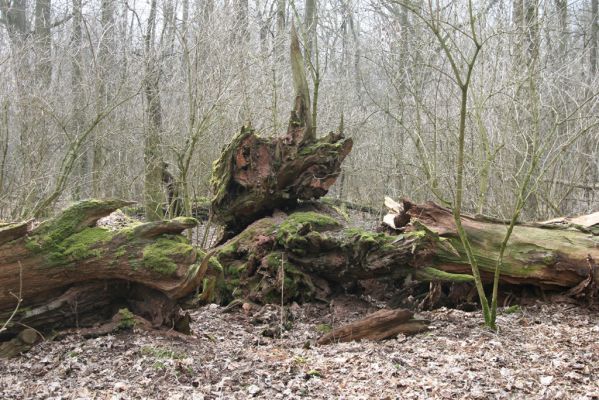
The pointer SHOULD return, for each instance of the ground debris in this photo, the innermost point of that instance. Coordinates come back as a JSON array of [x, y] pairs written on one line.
[[541, 352]]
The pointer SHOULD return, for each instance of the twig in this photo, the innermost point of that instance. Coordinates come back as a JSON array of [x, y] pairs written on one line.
[[33, 329], [19, 300], [206, 231], [282, 323]]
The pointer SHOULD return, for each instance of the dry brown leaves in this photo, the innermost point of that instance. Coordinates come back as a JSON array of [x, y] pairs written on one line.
[[541, 352]]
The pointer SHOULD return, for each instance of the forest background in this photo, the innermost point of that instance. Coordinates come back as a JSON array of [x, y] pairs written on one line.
[[96, 95]]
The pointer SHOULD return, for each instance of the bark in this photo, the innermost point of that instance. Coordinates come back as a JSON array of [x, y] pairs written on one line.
[[383, 324], [78, 106], [257, 175], [105, 92], [594, 38], [69, 272], [4, 137]]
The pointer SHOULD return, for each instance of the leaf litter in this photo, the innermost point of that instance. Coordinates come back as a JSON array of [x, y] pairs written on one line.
[[543, 351]]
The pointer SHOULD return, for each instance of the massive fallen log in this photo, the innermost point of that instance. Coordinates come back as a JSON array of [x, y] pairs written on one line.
[[69, 272], [300, 255], [256, 175]]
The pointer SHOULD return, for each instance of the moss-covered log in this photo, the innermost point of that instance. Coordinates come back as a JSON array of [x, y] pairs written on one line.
[[256, 175], [68, 271], [298, 256], [544, 255]]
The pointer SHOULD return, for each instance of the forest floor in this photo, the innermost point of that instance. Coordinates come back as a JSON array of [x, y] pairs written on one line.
[[543, 351]]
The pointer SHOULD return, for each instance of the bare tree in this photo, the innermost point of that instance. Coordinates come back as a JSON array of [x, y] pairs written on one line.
[[153, 192]]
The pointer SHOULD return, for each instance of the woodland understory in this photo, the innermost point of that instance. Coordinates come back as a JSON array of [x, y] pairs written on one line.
[[426, 225]]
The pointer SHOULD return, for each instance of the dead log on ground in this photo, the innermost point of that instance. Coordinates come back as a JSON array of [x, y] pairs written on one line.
[[383, 324]]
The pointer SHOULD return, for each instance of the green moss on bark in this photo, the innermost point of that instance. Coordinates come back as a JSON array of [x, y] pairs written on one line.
[[214, 266], [161, 255], [370, 239], [292, 232], [75, 218], [433, 274], [222, 168], [321, 146], [86, 243], [127, 319], [295, 285]]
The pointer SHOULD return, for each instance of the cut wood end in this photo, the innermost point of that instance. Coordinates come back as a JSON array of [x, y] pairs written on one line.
[[585, 221], [392, 205], [389, 220]]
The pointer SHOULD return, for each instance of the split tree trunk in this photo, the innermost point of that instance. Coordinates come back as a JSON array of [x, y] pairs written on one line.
[[256, 175]]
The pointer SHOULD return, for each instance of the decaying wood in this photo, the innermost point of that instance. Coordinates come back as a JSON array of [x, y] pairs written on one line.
[[383, 324], [256, 175], [544, 257], [73, 272], [318, 251], [69, 272], [19, 344]]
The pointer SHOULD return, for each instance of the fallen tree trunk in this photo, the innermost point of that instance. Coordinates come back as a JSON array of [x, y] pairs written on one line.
[[300, 255], [70, 272], [545, 255]]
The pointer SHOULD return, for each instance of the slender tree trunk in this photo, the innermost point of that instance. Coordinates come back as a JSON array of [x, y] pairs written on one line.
[[105, 92], [277, 62], [311, 57], [301, 125], [594, 38], [562, 14], [153, 193], [184, 19], [43, 42], [310, 28], [4, 137], [592, 167], [280, 17], [18, 26], [84, 163], [526, 14]]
